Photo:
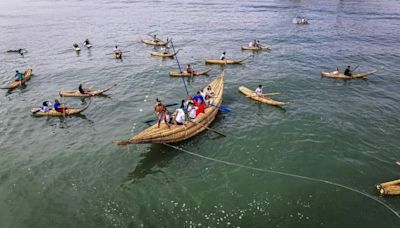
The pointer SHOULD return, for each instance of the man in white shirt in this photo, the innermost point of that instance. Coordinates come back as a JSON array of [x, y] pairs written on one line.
[[180, 116], [222, 56], [259, 90]]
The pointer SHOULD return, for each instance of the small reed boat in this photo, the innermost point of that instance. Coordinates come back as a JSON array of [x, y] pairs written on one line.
[[253, 95]]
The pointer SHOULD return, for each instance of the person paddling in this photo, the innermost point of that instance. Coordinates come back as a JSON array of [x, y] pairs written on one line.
[[57, 106], [155, 39], [189, 70], [117, 52], [347, 72], [19, 76], [86, 42], [222, 57], [84, 91]]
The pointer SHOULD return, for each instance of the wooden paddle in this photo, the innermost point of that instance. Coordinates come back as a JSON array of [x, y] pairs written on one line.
[[213, 130], [121, 52], [355, 68], [265, 94]]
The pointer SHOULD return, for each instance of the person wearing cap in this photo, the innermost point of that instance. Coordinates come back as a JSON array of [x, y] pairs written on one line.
[[347, 72], [222, 57], [19, 76]]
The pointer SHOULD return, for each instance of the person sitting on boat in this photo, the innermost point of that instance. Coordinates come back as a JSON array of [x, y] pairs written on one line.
[[347, 72], [222, 57], [210, 91], [209, 101], [84, 91], [189, 69], [192, 111], [117, 50], [155, 39], [160, 111], [168, 117], [198, 97], [336, 71], [45, 107], [76, 45], [180, 116], [165, 50], [57, 107], [200, 107], [259, 90], [86, 42], [19, 76]]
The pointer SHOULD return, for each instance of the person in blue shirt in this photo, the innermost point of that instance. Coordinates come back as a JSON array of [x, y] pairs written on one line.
[[57, 106], [198, 96], [19, 76]]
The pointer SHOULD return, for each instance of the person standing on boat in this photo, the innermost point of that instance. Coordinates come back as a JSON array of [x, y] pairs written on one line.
[[222, 57], [160, 111], [19, 76], [347, 72]]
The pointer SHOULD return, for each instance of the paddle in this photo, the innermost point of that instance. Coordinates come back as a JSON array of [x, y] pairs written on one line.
[[213, 130], [222, 108], [265, 94], [121, 52], [355, 68]]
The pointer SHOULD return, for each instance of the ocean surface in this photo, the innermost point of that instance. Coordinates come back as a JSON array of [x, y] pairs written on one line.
[[342, 135]]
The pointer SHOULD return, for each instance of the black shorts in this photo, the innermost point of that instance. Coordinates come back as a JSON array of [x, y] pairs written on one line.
[[177, 123]]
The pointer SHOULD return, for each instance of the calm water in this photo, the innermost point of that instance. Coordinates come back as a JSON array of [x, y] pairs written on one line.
[[66, 173]]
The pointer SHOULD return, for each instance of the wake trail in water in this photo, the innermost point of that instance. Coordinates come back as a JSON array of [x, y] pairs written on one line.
[[290, 175]]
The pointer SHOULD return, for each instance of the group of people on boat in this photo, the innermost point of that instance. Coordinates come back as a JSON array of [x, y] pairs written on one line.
[[46, 107], [189, 108], [255, 43], [301, 20]]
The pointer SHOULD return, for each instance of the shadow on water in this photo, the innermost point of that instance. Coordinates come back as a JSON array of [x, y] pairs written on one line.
[[152, 162], [262, 108]]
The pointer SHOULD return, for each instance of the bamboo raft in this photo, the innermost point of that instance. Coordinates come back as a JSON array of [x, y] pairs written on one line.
[[253, 95], [154, 43], [342, 76], [186, 74], [15, 84], [54, 113], [76, 93], [261, 48], [390, 188], [163, 54], [226, 61], [177, 133]]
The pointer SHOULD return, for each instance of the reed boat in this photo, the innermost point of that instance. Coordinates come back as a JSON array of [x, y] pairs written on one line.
[[226, 61], [54, 113], [342, 76], [178, 133], [391, 188], [164, 54], [15, 84], [253, 95], [186, 74], [152, 42], [76, 93], [261, 48]]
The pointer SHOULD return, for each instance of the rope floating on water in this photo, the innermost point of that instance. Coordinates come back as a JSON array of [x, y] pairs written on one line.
[[290, 175]]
